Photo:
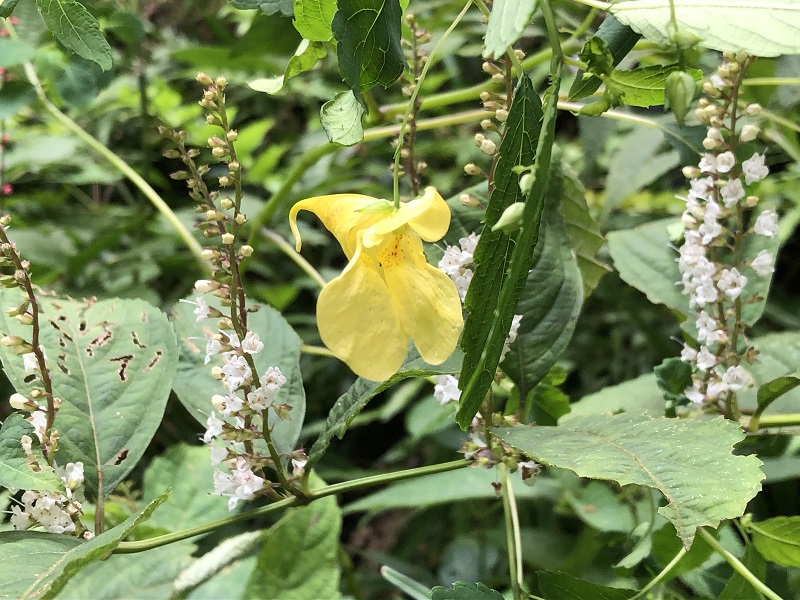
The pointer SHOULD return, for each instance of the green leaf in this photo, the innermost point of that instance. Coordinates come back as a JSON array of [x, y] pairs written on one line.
[[112, 363], [635, 395], [552, 299], [738, 587], [689, 462], [299, 558], [502, 260], [562, 586], [306, 56], [73, 26], [778, 539], [644, 86], [732, 25], [600, 507], [639, 161], [406, 584], [15, 52], [772, 390], [194, 384], [15, 471], [444, 488], [619, 39], [666, 544], [341, 119], [507, 21], [7, 7], [369, 32], [153, 572], [462, 590], [187, 471], [673, 376], [14, 96], [312, 19], [582, 230], [269, 7], [39, 565], [363, 390]]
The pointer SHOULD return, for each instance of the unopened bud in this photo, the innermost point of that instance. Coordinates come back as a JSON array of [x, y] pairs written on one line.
[[219, 152], [472, 169], [488, 125], [240, 219], [749, 133], [684, 40], [20, 402], [501, 114], [479, 139], [232, 135], [225, 180], [203, 79], [710, 144], [221, 82], [751, 201], [246, 250], [468, 200], [208, 254], [498, 78], [488, 147], [216, 372], [25, 318], [234, 166], [526, 182], [753, 110], [511, 219], [679, 93], [226, 203], [204, 286], [11, 341], [228, 238], [691, 172]]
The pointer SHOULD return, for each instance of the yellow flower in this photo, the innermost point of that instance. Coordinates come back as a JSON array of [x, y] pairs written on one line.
[[388, 293]]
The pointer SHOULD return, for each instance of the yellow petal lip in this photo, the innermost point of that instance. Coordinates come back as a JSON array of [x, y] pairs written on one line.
[[428, 215], [356, 321], [425, 299]]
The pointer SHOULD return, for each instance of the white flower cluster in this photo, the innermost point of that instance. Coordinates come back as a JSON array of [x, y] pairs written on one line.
[[242, 409], [713, 224], [53, 511]]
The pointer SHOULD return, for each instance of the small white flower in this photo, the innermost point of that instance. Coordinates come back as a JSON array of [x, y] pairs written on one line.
[[731, 282], [18, 401], [29, 362], [446, 389], [708, 163], [701, 188], [38, 419], [236, 371], [694, 394], [705, 359], [213, 348], [512, 335], [218, 454], [204, 286], [762, 263], [20, 520], [725, 162], [73, 475], [710, 230], [273, 376], [203, 310], [718, 82], [767, 223], [688, 354], [754, 168], [251, 343], [705, 293], [732, 192], [735, 378], [298, 466], [715, 388], [260, 398], [213, 428], [462, 283]]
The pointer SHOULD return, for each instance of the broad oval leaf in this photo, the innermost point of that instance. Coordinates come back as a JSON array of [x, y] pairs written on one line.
[[112, 364], [194, 384], [369, 32], [688, 461], [778, 539], [732, 25], [312, 19], [341, 119]]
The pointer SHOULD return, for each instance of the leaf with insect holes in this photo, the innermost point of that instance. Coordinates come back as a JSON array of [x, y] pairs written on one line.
[[15, 468], [112, 364]]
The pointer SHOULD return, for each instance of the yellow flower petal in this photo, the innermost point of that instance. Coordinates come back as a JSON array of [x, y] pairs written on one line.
[[341, 214], [357, 321], [428, 215], [426, 300]]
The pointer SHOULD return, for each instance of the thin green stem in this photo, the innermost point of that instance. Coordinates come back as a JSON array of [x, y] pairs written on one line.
[[655, 581], [339, 488], [738, 566], [513, 537], [153, 196], [757, 421], [298, 259], [770, 81], [316, 350], [410, 107]]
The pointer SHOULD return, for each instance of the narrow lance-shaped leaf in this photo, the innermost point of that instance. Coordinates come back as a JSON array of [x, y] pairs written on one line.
[[689, 462], [503, 261]]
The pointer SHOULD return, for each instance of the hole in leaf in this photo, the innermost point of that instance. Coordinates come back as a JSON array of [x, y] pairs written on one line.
[[30, 378], [100, 340], [136, 341], [119, 457], [63, 368], [155, 360], [123, 361]]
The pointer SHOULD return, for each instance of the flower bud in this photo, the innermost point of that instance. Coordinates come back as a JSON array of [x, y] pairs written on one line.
[[748, 133], [526, 182], [468, 200], [232, 135], [11, 341], [228, 238], [226, 203], [246, 250], [203, 79], [678, 94], [501, 114], [488, 125], [216, 372], [219, 152], [684, 40], [20, 402], [498, 78], [209, 254], [691, 172], [221, 82], [234, 166], [204, 286], [488, 147], [511, 219], [225, 180], [753, 110], [240, 219], [25, 318], [472, 169]]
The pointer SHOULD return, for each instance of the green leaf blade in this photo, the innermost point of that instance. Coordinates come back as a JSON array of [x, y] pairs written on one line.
[[507, 21], [369, 50], [341, 119], [689, 462], [77, 29], [15, 471], [312, 19], [778, 540]]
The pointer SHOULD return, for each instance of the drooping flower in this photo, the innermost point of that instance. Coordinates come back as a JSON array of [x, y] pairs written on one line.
[[388, 292]]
